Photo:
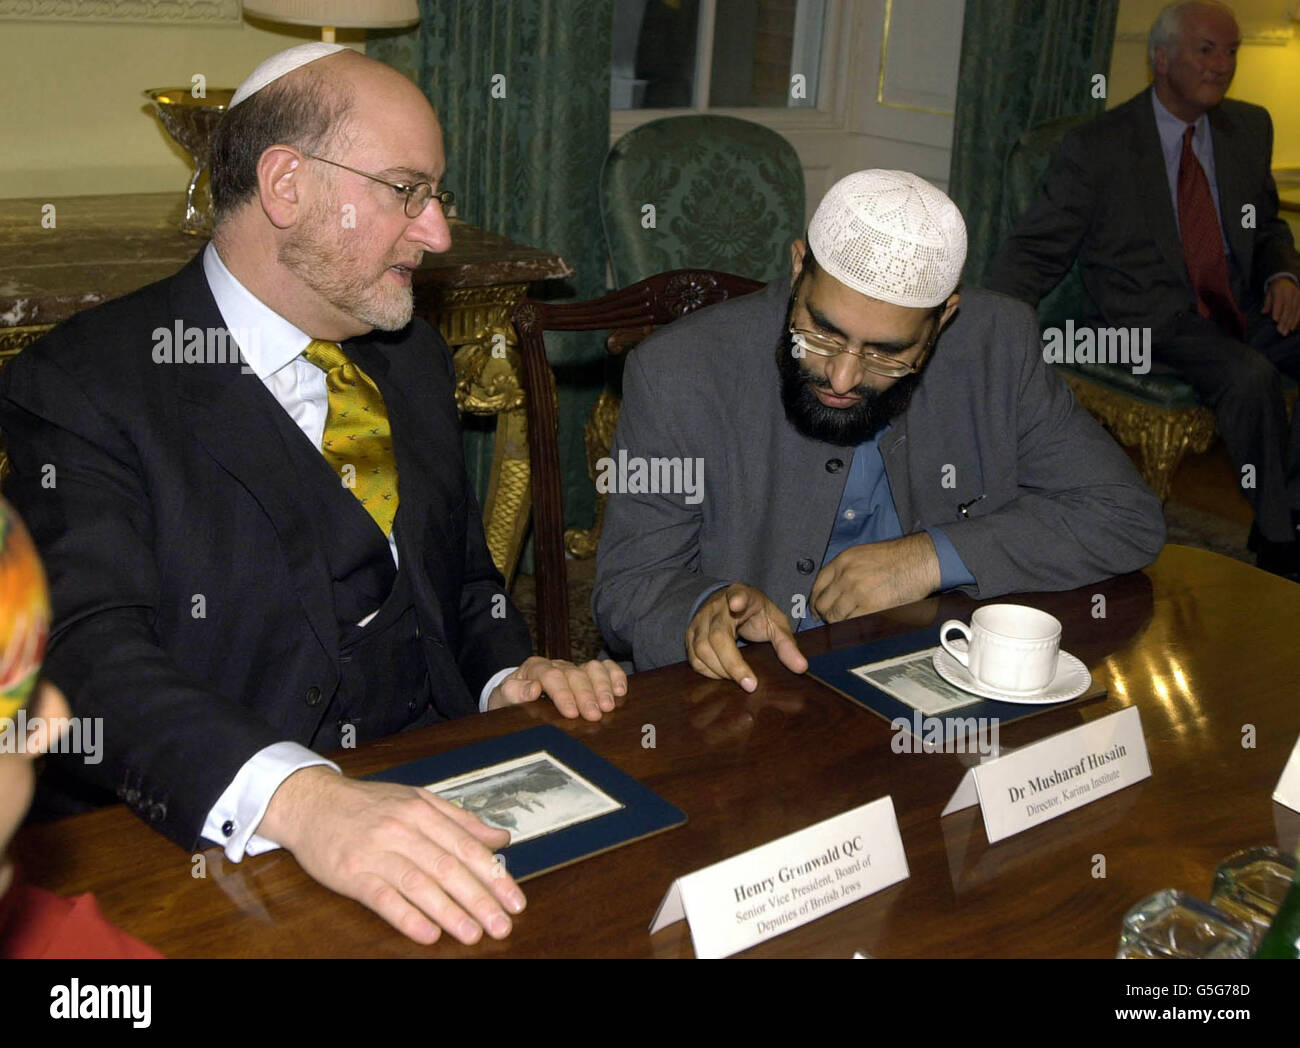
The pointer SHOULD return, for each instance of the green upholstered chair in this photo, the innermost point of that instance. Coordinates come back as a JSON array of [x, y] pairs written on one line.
[[690, 192], [727, 195], [1156, 413]]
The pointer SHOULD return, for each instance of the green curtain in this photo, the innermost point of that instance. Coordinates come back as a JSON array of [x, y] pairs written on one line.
[[1022, 62], [526, 165]]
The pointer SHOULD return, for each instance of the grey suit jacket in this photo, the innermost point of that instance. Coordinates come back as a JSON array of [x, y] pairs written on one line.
[[1062, 506], [1106, 200]]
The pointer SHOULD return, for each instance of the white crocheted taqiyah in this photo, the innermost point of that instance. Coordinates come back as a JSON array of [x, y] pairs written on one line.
[[891, 236], [279, 64]]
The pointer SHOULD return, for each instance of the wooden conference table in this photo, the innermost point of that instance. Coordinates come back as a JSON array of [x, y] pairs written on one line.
[[1201, 644]]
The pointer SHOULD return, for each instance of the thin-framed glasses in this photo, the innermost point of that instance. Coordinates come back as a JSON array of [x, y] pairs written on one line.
[[416, 195], [828, 346], [880, 363]]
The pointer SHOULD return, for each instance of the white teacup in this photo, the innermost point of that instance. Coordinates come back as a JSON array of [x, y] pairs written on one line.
[[1010, 647]]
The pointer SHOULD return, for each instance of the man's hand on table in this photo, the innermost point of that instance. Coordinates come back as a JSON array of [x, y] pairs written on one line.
[[589, 690], [738, 610], [876, 576], [422, 864]]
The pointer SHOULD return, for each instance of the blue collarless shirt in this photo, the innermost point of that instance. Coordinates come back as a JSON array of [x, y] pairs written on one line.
[[867, 514]]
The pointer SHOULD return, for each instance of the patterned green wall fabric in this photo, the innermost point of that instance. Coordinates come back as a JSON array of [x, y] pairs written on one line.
[[1022, 62], [522, 90], [727, 194]]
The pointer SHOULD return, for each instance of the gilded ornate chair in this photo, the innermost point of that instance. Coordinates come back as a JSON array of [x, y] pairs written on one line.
[[629, 315], [1157, 413], [712, 192]]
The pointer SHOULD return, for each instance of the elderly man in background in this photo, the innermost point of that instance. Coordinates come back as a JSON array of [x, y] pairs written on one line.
[[1168, 202], [868, 436], [252, 563]]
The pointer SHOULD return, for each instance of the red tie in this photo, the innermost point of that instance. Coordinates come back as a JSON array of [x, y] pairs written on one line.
[[1203, 244]]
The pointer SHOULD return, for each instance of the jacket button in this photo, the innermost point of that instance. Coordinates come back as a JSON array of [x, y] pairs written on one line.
[[228, 827], [157, 811], [312, 698], [131, 796], [413, 705], [834, 465], [805, 566]]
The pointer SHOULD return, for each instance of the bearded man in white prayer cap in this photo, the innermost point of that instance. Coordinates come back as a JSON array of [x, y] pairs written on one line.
[[858, 436], [261, 556]]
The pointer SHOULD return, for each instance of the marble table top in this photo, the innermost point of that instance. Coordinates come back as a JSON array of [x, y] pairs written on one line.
[[102, 247]]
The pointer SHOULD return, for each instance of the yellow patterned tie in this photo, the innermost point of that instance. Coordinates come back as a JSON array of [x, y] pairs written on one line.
[[358, 442]]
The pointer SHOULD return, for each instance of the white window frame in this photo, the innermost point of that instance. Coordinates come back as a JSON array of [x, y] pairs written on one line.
[[838, 27]]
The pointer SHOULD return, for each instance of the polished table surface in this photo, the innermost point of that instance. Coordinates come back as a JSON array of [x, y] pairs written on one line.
[[1204, 646]]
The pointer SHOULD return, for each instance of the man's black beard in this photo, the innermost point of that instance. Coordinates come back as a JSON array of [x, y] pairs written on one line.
[[847, 427]]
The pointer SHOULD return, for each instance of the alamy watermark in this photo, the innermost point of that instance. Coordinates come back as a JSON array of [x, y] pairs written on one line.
[[944, 735], [83, 735], [72, 1000], [634, 475], [180, 344], [1098, 345]]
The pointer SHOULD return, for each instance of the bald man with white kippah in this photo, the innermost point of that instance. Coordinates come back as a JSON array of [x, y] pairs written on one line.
[[259, 557], [857, 436]]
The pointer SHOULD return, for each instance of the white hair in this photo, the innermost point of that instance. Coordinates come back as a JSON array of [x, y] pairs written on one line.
[[1167, 29]]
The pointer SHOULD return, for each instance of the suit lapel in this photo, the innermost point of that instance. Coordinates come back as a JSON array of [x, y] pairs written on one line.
[[891, 453], [418, 445], [1230, 176], [234, 420], [1153, 185], [422, 450], [428, 492]]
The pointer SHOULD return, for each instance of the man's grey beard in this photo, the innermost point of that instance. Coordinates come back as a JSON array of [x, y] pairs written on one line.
[[337, 277], [846, 427]]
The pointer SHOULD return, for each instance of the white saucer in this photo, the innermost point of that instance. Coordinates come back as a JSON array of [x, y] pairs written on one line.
[[1072, 680]]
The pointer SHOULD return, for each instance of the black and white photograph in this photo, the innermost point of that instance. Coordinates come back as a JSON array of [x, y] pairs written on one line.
[[912, 679], [529, 796]]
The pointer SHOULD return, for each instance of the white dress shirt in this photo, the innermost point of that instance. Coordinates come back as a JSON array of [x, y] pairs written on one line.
[[272, 349]]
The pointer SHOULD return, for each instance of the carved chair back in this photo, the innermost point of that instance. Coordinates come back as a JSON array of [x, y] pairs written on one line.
[[629, 315]]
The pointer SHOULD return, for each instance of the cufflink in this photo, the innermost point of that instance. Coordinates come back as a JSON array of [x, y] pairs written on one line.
[[228, 827]]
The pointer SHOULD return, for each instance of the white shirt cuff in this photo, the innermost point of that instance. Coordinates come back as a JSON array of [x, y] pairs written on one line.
[[1283, 275], [493, 681], [239, 810]]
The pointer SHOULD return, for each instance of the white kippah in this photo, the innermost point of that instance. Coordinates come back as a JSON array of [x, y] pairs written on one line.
[[279, 64], [892, 236]]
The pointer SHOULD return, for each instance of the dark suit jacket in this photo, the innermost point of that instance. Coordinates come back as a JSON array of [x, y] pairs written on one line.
[[1106, 199], [193, 608]]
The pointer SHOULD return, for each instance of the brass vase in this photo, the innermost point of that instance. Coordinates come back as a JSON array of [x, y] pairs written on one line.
[[191, 121]]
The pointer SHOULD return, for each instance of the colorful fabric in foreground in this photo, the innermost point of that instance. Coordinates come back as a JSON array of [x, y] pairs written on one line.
[[24, 612]]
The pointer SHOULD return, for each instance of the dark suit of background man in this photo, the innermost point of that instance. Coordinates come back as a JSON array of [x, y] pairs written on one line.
[[243, 571], [1169, 203]]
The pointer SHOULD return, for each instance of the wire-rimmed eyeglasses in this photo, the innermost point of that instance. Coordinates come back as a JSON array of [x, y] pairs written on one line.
[[416, 194]]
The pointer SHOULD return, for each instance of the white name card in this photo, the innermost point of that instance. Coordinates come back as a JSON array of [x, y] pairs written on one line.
[[1288, 786], [795, 879], [1054, 775]]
